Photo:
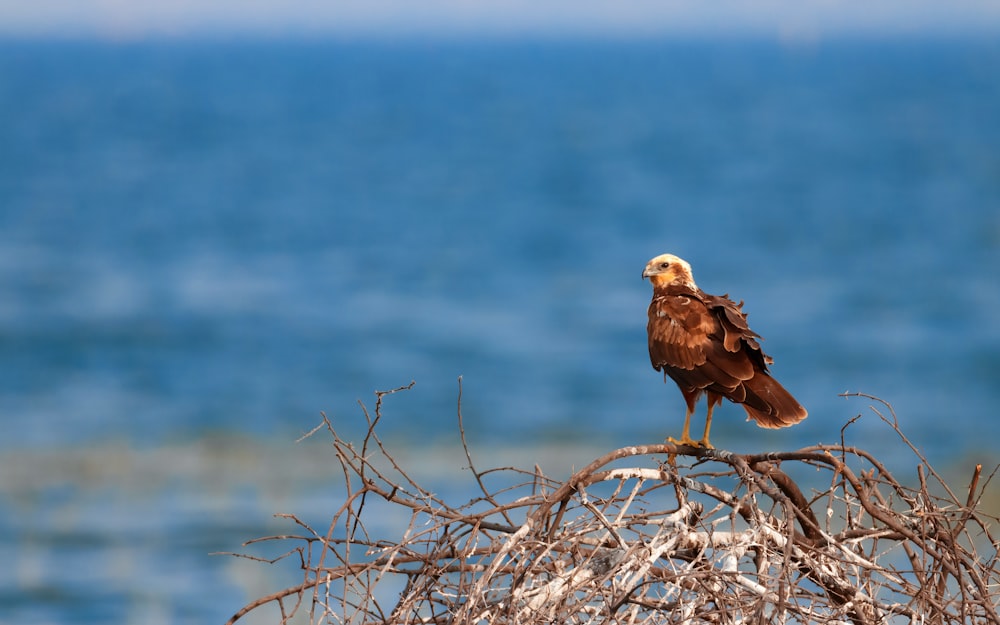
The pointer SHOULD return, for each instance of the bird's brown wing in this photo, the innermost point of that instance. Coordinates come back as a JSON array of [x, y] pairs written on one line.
[[765, 400], [735, 328], [703, 342], [696, 347]]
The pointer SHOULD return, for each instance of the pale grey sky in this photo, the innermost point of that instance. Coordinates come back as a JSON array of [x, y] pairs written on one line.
[[793, 19]]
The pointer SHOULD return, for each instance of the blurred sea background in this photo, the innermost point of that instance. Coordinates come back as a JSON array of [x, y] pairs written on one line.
[[204, 243]]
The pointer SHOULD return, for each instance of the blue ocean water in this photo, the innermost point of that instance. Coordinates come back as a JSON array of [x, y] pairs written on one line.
[[204, 245]]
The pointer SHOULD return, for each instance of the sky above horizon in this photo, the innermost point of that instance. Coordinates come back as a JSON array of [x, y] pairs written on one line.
[[784, 19]]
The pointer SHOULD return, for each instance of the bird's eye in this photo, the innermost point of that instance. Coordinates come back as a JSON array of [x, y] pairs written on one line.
[[664, 265]]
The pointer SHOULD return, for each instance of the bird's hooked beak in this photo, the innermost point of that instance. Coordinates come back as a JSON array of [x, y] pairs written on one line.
[[651, 269]]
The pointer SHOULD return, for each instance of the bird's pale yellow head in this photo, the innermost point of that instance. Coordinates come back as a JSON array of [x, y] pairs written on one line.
[[667, 269]]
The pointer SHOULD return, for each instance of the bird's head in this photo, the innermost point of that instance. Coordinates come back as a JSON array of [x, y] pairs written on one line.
[[667, 269]]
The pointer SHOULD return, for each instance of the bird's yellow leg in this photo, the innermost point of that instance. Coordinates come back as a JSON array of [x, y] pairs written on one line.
[[686, 433], [708, 426]]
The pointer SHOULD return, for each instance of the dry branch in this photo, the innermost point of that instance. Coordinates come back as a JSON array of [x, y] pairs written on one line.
[[651, 534]]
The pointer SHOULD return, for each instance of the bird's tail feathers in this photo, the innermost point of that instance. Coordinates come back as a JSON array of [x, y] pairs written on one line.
[[770, 405]]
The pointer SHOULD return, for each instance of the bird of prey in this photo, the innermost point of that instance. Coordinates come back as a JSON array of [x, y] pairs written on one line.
[[703, 343]]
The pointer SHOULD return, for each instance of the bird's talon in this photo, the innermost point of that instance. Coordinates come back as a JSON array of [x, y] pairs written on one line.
[[684, 441]]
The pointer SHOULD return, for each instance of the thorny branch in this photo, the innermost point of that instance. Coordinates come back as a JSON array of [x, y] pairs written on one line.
[[823, 534]]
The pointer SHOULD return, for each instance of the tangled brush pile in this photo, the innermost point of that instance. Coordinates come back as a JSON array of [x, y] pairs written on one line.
[[652, 534]]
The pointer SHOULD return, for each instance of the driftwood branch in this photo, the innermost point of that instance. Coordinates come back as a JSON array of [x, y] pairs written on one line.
[[651, 534]]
